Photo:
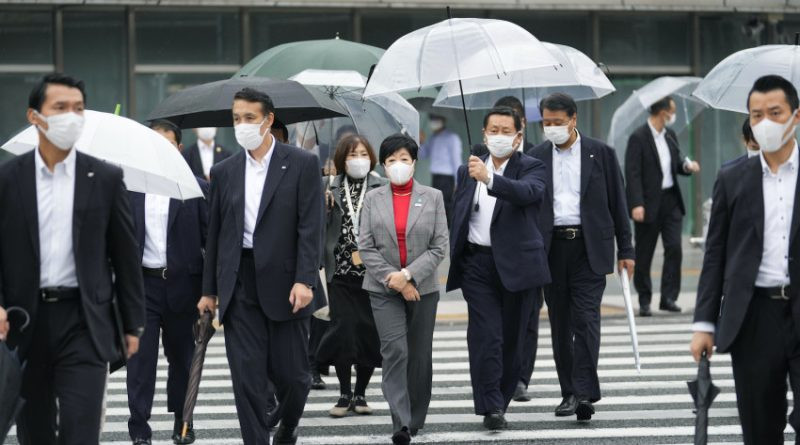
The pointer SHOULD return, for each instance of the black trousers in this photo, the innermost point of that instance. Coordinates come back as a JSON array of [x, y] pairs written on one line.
[[531, 343], [447, 185], [175, 330], [766, 351], [573, 304], [318, 329], [62, 364], [669, 225], [498, 323], [261, 351]]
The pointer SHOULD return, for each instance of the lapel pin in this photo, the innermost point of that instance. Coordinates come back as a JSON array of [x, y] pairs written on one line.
[[591, 156], [283, 167], [219, 149], [90, 174]]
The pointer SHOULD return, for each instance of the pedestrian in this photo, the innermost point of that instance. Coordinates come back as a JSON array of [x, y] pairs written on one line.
[[443, 148], [262, 263], [582, 213], [67, 249], [351, 338], [402, 240], [747, 295], [497, 259], [280, 132], [205, 153], [171, 234], [653, 162]]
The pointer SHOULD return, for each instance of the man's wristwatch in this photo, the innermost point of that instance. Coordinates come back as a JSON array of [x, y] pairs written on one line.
[[138, 332], [406, 274]]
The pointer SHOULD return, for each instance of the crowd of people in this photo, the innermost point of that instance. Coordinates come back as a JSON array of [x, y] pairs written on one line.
[[273, 242]]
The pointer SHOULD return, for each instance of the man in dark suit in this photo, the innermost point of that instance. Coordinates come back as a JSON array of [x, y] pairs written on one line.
[[65, 225], [493, 233], [262, 263], [747, 297], [653, 162], [205, 153], [581, 214], [171, 236]]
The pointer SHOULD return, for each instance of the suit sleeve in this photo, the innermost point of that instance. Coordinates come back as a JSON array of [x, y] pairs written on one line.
[[618, 206], [709, 288], [528, 189], [309, 220], [202, 209], [679, 160], [212, 236], [123, 251], [429, 261], [373, 259], [633, 172]]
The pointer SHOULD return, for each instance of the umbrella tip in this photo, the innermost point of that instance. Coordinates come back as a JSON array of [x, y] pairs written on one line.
[[797, 38], [448, 13]]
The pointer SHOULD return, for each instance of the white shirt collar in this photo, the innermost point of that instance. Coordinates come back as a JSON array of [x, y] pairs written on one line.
[[68, 163], [265, 161], [203, 146], [656, 133], [501, 169], [572, 148], [791, 163]]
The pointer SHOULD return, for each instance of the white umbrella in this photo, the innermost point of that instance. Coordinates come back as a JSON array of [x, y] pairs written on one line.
[[635, 110], [626, 294], [335, 78], [576, 74], [151, 164], [727, 85]]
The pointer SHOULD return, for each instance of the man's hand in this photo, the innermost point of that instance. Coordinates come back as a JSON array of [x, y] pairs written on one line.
[[638, 214], [133, 344], [300, 297], [410, 293], [627, 265], [207, 304], [478, 170], [702, 341], [3, 324], [396, 281], [329, 199], [691, 167]]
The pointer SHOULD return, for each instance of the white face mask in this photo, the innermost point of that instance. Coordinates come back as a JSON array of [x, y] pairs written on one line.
[[400, 172], [557, 134], [436, 125], [206, 134], [357, 168], [771, 135], [500, 146], [63, 130], [672, 118], [249, 136]]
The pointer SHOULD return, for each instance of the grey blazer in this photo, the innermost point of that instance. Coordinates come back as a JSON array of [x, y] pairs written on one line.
[[336, 214], [427, 238]]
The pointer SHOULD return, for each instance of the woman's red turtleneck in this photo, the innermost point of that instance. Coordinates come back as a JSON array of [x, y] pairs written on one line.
[[401, 200]]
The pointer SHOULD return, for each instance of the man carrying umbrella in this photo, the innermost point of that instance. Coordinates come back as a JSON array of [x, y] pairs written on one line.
[[262, 263], [171, 235], [66, 226], [747, 299]]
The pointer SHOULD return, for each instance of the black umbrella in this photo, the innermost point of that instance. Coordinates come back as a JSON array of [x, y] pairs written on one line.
[[209, 104], [11, 367], [203, 331], [703, 392]]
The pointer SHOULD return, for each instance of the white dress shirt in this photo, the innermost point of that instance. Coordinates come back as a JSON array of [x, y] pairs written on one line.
[[206, 155], [779, 194], [156, 220], [664, 156], [480, 221], [55, 193], [255, 176], [567, 184]]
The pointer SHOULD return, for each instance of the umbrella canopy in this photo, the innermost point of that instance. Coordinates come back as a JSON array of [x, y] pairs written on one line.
[[209, 104], [11, 368], [703, 392], [203, 331], [727, 85], [635, 110], [150, 162], [576, 74]]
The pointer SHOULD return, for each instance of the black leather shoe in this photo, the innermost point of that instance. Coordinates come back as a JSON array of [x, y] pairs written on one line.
[[644, 310], [584, 410], [317, 382], [401, 437], [521, 393], [669, 306], [178, 429], [414, 432], [141, 441], [285, 435], [495, 421], [567, 407]]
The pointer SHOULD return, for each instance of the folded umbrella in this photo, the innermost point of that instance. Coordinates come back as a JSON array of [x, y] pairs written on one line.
[[150, 162], [626, 295], [703, 392], [11, 367], [209, 104], [203, 331]]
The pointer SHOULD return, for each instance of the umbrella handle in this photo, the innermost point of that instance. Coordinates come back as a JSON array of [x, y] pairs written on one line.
[[24, 312]]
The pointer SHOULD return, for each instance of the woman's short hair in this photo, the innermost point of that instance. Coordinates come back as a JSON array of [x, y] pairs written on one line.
[[397, 142], [347, 144]]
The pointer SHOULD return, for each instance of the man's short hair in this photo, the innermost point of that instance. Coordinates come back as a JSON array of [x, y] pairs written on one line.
[[772, 82], [559, 102], [278, 125], [660, 105], [503, 111], [39, 91], [747, 131], [165, 125], [255, 96], [511, 102]]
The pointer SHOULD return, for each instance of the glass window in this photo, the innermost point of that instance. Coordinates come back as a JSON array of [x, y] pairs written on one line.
[[14, 89], [723, 35], [641, 40], [549, 27], [187, 38], [381, 29], [26, 37], [268, 30]]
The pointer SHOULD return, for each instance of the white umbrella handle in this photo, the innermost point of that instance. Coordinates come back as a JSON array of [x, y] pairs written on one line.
[[626, 294]]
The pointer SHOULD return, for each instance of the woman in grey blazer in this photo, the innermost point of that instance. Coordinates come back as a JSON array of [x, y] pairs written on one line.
[[403, 239]]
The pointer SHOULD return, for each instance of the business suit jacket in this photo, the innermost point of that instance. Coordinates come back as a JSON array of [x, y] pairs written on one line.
[[516, 239], [426, 238], [734, 247], [186, 239], [604, 212], [336, 215], [192, 156], [107, 257], [643, 171], [287, 236]]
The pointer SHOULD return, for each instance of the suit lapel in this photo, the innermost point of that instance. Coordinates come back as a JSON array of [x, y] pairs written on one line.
[[174, 208], [548, 162], [587, 162], [511, 173], [795, 213], [653, 148], [277, 167], [386, 210], [237, 180], [338, 183], [26, 178], [84, 184], [417, 204], [218, 155], [754, 184]]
